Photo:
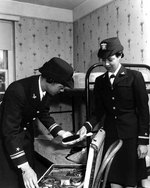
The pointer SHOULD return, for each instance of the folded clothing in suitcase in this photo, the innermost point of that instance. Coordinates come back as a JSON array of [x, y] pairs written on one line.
[[63, 176]]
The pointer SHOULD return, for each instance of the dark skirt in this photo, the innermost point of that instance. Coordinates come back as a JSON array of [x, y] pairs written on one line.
[[126, 168]]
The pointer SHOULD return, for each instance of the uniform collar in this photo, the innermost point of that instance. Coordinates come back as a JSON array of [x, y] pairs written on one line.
[[115, 73], [42, 93]]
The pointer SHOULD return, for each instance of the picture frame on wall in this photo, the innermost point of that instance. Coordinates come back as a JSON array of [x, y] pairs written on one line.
[[3, 80]]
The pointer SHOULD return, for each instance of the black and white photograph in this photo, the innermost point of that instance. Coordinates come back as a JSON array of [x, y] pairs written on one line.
[[74, 94]]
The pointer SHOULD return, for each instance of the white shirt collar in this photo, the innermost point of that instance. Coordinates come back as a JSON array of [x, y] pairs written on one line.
[[115, 73], [42, 93]]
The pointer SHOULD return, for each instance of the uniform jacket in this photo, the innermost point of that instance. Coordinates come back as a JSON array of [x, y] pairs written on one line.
[[20, 107], [124, 104]]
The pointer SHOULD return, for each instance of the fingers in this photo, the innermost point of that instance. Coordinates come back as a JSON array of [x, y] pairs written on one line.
[[84, 136], [64, 134], [67, 134], [35, 182], [142, 155], [142, 151], [30, 179], [31, 183], [82, 132]]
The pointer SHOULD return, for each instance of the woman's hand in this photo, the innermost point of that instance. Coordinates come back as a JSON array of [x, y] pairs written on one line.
[[64, 134], [142, 151], [82, 132], [29, 177]]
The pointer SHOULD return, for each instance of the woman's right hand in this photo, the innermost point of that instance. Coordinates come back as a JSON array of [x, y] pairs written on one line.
[[29, 177], [82, 132]]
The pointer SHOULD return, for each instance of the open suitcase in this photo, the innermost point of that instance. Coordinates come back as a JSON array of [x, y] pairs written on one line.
[[66, 176], [73, 175]]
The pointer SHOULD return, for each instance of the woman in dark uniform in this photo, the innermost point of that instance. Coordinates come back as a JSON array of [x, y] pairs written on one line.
[[120, 94], [23, 102]]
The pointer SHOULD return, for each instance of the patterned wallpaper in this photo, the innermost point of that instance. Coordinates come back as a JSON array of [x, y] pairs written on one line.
[[36, 42], [127, 19], [39, 40]]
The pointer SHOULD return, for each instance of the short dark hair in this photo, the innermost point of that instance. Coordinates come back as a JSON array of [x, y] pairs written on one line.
[[49, 80], [120, 54], [59, 70]]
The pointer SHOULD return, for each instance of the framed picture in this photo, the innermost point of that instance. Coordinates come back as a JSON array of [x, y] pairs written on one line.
[[3, 80]]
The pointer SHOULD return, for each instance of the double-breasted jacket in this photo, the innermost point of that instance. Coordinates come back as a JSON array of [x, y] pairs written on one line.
[[20, 107], [124, 104]]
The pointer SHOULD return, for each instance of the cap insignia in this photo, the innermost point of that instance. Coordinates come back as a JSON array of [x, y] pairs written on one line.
[[122, 73], [18, 149], [104, 46]]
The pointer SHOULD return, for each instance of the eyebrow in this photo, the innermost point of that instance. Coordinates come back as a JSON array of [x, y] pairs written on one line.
[[110, 58]]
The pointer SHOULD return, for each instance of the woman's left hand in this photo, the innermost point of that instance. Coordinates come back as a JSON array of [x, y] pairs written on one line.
[[64, 134]]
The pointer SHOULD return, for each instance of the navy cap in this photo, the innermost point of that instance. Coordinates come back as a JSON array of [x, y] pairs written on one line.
[[109, 47], [58, 70]]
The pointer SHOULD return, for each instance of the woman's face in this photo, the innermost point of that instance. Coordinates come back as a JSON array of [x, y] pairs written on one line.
[[111, 63], [54, 88]]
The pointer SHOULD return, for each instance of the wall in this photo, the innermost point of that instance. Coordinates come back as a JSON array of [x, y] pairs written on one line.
[[37, 41], [127, 19]]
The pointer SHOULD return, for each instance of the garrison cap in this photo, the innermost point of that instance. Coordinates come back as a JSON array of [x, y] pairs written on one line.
[[58, 70], [109, 47]]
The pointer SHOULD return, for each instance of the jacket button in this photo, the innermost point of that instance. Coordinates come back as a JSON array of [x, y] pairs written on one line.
[[113, 98], [38, 112], [115, 117], [34, 118], [24, 128], [114, 107]]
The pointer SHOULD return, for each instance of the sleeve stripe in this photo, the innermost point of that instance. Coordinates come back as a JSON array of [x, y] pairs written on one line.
[[89, 124], [53, 127], [143, 137], [17, 155]]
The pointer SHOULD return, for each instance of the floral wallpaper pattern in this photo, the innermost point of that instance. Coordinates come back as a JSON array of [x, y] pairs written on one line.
[[127, 19], [37, 41]]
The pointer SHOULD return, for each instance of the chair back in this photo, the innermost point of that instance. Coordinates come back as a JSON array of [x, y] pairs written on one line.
[[94, 158], [106, 164]]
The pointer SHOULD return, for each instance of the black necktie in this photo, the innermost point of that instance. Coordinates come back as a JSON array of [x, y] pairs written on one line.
[[112, 76]]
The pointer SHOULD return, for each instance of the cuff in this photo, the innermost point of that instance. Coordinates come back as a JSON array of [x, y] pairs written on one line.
[[23, 165], [54, 129], [18, 158], [88, 126], [143, 140]]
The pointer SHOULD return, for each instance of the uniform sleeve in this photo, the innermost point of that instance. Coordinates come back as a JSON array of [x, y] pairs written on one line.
[[11, 118], [142, 109], [98, 108], [46, 119]]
